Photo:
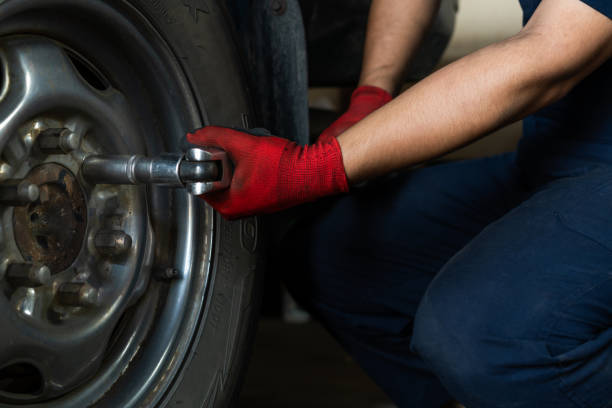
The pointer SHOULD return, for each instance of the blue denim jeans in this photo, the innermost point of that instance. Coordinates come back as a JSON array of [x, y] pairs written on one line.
[[471, 280]]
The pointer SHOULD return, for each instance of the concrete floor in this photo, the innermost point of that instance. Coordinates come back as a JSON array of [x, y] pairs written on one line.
[[302, 366]]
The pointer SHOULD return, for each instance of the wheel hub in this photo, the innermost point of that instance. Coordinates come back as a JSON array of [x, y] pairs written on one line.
[[51, 230], [73, 256], [80, 78]]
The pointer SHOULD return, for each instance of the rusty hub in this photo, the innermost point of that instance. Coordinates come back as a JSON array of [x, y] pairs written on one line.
[[51, 230]]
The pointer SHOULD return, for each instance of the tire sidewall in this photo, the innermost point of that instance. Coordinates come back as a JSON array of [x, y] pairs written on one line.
[[199, 34]]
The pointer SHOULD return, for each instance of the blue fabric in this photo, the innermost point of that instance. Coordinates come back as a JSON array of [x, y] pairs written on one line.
[[603, 6], [468, 280], [488, 281], [577, 128]]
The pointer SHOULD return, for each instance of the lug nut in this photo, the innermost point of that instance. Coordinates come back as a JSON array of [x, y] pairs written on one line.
[[18, 192], [28, 139], [77, 294], [279, 7], [29, 275], [38, 127], [5, 171], [69, 141], [112, 242], [58, 140], [4, 264]]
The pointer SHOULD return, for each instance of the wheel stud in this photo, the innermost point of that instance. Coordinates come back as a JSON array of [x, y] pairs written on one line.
[[5, 171], [166, 273], [58, 140], [28, 275], [112, 243], [18, 193], [77, 294]]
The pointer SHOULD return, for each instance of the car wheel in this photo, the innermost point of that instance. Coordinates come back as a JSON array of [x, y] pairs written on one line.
[[117, 296]]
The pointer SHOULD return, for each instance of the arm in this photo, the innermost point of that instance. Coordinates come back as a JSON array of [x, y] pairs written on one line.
[[394, 33], [564, 41], [395, 30]]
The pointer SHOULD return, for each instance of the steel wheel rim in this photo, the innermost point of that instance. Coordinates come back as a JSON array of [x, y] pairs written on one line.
[[172, 327]]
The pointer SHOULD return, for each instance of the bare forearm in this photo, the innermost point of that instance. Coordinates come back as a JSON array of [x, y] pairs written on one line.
[[448, 109], [395, 30], [468, 99]]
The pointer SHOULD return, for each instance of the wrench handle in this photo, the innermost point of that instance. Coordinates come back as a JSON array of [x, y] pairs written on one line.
[[200, 170]]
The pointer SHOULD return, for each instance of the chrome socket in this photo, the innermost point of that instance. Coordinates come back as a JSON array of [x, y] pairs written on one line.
[[199, 170]]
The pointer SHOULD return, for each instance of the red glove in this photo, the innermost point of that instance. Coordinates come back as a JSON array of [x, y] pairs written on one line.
[[270, 173], [364, 100]]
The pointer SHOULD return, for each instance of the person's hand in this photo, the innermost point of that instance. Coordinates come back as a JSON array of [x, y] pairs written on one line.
[[364, 100], [271, 173]]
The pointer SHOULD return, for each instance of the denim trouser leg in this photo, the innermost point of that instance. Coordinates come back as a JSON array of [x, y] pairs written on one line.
[[520, 311], [364, 261]]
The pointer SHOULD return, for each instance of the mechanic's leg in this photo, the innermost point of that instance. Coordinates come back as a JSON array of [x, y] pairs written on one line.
[[522, 316], [365, 261]]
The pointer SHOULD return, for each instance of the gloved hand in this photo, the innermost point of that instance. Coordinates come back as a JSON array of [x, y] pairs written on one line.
[[364, 100], [270, 173]]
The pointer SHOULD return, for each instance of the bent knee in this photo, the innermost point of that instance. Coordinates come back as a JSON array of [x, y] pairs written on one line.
[[481, 365]]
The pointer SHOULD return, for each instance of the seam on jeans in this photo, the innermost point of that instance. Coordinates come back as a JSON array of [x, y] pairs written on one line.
[[559, 185], [565, 388], [572, 297], [563, 219]]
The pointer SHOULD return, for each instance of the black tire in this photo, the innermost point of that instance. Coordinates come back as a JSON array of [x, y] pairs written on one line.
[[200, 34]]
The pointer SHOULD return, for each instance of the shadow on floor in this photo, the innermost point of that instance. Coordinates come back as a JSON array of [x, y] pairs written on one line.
[[302, 366]]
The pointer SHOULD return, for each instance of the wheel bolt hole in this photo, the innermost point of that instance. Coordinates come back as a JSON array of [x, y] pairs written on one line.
[[21, 378], [42, 241], [34, 217], [90, 74]]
